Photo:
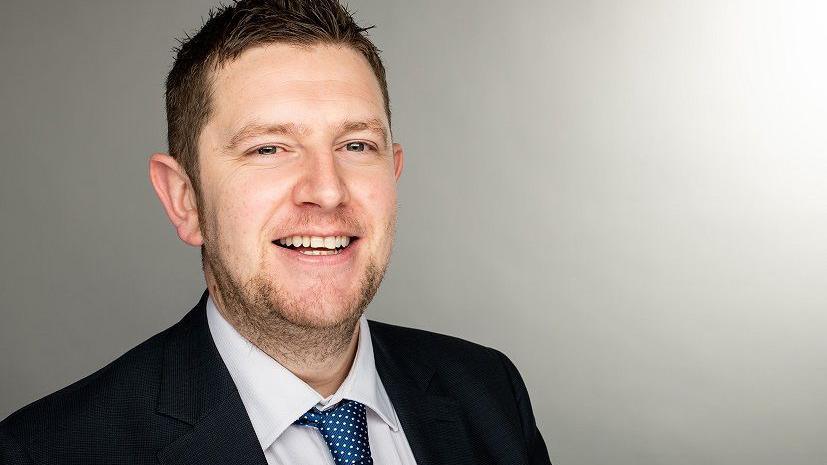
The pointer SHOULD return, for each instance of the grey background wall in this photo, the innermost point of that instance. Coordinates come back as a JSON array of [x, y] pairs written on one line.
[[627, 197]]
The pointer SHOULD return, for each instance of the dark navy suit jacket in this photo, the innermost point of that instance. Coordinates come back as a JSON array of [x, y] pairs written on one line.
[[172, 401]]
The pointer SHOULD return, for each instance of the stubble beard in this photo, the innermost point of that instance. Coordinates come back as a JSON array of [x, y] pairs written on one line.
[[286, 327]]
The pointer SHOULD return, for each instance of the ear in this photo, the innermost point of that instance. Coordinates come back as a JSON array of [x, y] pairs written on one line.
[[174, 189], [398, 160]]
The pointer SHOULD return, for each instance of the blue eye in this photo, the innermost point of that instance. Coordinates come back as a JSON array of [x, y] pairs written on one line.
[[267, 150], [356, 146]]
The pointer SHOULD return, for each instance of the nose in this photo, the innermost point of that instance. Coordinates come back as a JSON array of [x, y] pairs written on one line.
[[321, 183]]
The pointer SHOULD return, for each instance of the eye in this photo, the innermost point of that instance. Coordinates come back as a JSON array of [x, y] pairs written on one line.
[[356, 146], [268, 150]]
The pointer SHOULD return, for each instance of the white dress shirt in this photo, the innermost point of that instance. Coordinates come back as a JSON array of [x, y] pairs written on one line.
[[274, 398]]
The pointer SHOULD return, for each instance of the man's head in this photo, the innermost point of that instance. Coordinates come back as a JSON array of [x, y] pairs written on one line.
[[279, 127], [232, 30]]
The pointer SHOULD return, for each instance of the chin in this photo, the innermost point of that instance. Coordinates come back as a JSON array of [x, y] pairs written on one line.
[[320, 311], [264, 303]]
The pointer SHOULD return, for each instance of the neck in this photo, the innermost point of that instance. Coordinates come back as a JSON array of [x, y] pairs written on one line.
[[324, 375], [319, 356]]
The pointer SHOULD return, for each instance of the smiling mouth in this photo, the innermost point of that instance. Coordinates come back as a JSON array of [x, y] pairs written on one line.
[[316, 245]]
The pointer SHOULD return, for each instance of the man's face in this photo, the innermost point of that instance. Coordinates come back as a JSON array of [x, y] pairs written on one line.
[[298, 146]]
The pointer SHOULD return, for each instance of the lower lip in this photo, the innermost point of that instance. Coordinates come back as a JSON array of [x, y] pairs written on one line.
[[321, 260]]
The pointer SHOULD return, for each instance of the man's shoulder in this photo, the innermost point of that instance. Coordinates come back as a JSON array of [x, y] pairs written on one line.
[[440, 350], [469, 374], [465, 371], [409, 334], [121, 385]]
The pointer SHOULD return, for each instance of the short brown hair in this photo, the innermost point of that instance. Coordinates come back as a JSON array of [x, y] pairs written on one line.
[[229, 31]]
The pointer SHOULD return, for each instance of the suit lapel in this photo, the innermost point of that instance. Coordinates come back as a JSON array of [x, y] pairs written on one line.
[[433, 424], [197, 389], [225, 436]]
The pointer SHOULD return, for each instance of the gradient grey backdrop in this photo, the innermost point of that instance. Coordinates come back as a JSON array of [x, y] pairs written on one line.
[[629, 198]]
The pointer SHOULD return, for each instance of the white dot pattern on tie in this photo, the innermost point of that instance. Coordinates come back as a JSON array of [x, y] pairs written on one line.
[[345, 430]]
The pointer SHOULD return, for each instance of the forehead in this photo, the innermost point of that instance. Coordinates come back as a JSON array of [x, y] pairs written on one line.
[[282, 83]]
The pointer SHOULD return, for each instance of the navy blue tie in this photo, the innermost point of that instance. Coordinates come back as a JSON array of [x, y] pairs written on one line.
[[345, 430]]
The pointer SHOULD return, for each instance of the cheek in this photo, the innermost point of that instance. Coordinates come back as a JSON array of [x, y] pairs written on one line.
[[247, 204], [377, 198]]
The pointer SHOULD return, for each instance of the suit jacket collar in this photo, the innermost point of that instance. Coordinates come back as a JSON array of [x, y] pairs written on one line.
[[433, 424], [197, 389]]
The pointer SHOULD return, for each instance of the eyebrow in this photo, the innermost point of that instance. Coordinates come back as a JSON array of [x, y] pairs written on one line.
[[256, 129], [374, 125]]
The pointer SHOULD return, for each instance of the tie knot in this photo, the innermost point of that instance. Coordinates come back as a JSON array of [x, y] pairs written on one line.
[[313, 417], [349, 410], [344, 429]]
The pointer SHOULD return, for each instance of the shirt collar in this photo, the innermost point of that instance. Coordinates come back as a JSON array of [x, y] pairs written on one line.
[[274, 397]]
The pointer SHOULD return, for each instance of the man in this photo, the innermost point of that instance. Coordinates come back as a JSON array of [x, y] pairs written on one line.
[[281, 167]]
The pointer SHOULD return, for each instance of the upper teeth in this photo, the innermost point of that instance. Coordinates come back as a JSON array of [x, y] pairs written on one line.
[[328, 242]]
